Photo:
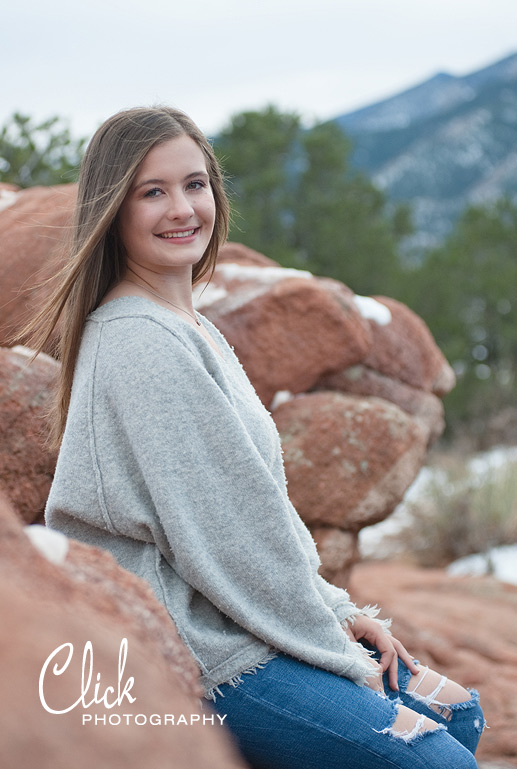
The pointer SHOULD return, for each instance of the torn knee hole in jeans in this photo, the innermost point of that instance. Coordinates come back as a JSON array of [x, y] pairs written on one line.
[[443, 709], [409, 726]]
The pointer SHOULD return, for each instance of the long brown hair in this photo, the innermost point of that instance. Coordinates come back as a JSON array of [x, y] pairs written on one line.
[[96, 259]]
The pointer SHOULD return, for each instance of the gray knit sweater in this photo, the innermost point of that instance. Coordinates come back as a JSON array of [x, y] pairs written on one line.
[[170, 461]]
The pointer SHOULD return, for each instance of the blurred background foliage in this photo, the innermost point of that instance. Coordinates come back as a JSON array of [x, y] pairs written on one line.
[[34, 153], [296, 198]]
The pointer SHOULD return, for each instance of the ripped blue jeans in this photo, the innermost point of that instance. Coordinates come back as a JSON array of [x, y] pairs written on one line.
[[291, 715]]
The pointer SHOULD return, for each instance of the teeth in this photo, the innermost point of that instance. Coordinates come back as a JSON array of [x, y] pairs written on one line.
[[184, 234]]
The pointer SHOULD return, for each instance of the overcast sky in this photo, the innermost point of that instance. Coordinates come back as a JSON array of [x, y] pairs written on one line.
[[213, 58]]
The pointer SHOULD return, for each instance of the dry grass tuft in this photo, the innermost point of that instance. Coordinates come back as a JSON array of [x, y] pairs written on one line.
[[466, 509]]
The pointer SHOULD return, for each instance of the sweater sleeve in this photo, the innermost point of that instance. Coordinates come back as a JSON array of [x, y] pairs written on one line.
[[336, 598], [216, 512]]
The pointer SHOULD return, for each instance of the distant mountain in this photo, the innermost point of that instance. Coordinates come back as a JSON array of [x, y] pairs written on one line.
[[442, 145]]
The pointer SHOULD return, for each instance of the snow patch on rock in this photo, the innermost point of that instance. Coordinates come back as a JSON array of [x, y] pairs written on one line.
[[205, 294], [51, 544], [7, 198], [243, 295], [282, 396], [269, 275], [371, 309]]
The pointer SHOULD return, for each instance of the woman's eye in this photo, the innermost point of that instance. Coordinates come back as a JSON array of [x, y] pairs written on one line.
[[196, 185], [153, 193]]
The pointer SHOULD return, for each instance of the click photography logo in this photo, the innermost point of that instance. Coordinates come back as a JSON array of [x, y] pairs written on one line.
[[96, 702]]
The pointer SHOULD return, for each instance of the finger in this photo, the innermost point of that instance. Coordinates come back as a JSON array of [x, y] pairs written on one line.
[[393, 676], [387, 651], [389, 664], [406, 657]]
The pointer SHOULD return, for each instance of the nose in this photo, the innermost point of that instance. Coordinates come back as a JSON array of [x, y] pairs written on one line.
[[180, 207]]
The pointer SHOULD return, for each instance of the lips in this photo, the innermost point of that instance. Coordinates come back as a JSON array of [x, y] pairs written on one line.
[[178, 234]]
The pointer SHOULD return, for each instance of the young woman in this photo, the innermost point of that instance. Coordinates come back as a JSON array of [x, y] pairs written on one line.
[[169, 460]]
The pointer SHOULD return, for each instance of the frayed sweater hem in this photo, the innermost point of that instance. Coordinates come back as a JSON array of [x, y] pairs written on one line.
[[212, 688]]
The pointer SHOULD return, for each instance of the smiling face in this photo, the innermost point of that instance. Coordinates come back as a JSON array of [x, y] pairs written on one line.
[[167, 218]]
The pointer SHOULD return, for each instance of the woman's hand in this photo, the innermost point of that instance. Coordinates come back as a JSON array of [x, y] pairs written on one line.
[[390, 650]]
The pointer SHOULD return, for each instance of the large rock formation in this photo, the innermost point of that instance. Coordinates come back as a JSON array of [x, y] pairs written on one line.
[[287, 329]]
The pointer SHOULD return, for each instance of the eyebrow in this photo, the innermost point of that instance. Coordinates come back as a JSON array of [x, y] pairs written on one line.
[[203, 174]]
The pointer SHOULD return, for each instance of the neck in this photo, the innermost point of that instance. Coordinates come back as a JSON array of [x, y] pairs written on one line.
[[175, 292], [176, 287]]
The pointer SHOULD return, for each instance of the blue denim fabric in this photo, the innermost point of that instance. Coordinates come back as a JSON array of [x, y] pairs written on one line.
[[291, 715]]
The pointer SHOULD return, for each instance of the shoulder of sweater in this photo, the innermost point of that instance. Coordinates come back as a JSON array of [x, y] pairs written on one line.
[[134, 330], [143, 317], [135, 307]]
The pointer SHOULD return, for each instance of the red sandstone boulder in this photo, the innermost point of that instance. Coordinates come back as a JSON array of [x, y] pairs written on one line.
[[87, 598], [348, 460], [465, 627], [426, 407], [121, 596], [32, 231], [286, 328], [404, 349], [26, 465]]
